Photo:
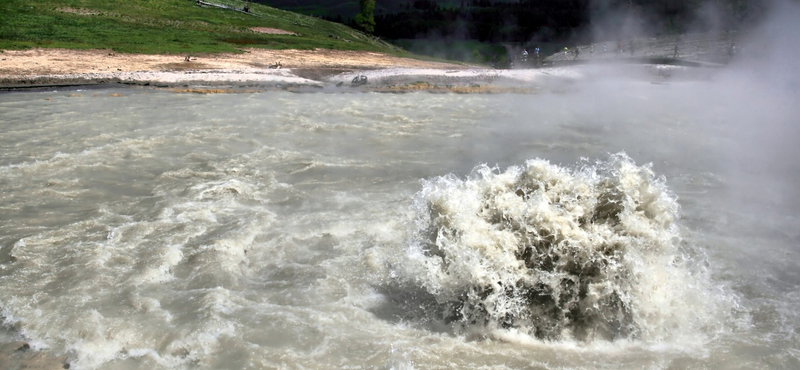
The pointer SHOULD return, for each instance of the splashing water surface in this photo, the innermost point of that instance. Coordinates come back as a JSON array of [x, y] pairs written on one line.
[[277, 230]]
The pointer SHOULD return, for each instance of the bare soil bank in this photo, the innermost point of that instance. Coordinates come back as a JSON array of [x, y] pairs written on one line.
[[40, 67]]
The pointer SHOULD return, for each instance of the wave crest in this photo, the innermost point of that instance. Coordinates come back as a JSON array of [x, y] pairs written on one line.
[[587, 252]]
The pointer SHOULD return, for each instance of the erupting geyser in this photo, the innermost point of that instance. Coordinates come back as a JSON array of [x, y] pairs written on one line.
[[583, 253]]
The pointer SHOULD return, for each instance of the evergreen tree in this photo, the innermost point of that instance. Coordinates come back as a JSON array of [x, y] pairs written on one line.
[[366, 19]]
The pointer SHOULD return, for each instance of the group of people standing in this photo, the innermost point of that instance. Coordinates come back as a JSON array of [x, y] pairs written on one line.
[[524, 56], [622, 47]]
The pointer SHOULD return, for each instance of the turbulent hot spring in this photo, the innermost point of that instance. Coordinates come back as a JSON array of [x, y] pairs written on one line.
[[607, 222]]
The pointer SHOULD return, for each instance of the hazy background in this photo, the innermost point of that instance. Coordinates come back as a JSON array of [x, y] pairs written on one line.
[[479, 30]]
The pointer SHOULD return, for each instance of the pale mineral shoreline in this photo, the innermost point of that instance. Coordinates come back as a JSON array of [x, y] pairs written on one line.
[[258, 69], [253, 67]]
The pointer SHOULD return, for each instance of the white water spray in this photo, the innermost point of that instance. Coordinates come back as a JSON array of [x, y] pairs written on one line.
[[582, 253]]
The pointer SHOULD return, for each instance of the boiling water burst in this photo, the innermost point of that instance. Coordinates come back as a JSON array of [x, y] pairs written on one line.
[[583, 253]]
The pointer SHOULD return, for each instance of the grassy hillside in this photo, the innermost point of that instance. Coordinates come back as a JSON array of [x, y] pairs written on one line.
[[168, 26]]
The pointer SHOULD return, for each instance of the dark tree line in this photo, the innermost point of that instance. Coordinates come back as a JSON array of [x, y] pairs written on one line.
[[556, 20], [483, 20], [365, 19]]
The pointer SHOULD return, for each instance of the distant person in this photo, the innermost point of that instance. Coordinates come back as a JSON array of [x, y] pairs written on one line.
[[566, 51], [524, 55], [675, 55], [577, 52], [536, 52]]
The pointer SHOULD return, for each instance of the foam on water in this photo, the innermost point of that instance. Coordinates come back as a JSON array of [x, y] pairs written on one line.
[[158, 286], [586, 253]]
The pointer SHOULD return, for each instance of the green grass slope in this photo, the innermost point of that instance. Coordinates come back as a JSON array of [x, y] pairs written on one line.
[[168, 26]]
